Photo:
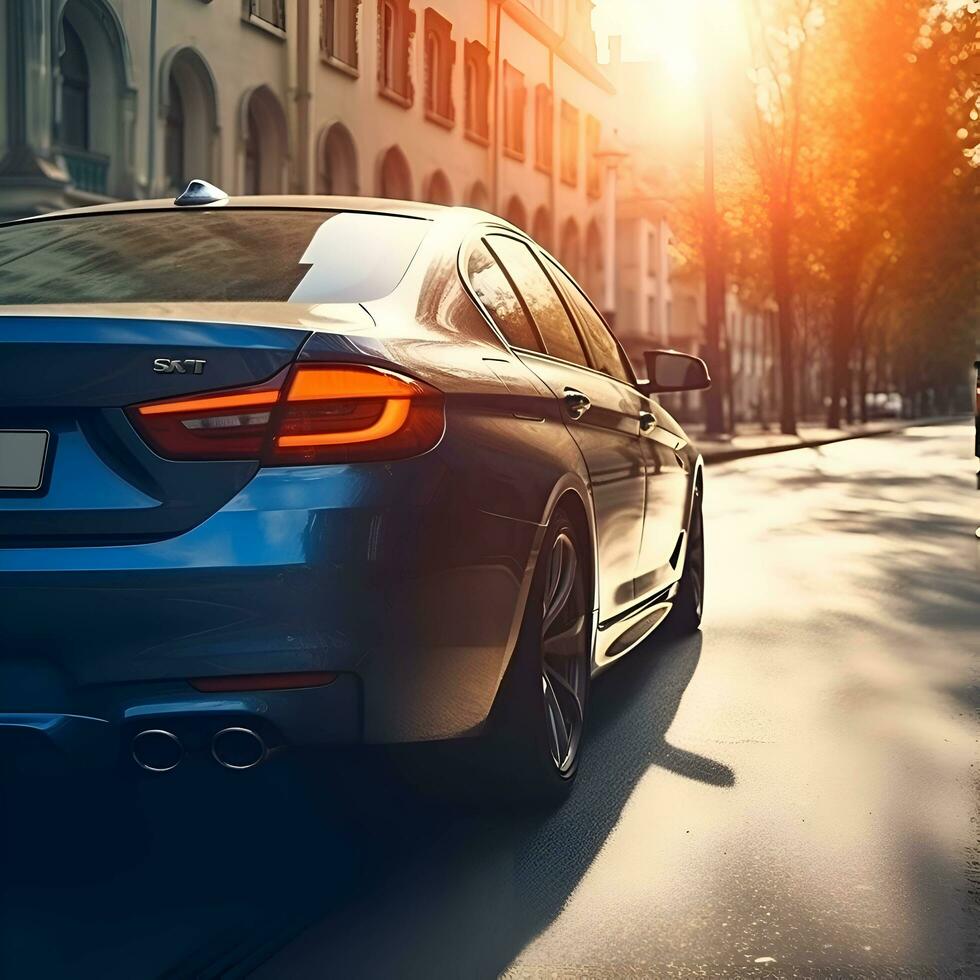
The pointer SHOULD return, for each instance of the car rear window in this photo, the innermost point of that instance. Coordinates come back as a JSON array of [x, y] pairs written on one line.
[[214, 255]]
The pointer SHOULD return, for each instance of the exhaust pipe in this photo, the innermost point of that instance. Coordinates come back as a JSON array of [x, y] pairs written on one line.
[[156, 750], [238, 748]]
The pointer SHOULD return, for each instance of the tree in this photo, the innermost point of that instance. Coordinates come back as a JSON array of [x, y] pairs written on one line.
[[779, 34], [853, 196]]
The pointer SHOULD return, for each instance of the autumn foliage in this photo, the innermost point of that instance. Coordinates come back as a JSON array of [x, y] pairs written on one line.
[[848, 194]]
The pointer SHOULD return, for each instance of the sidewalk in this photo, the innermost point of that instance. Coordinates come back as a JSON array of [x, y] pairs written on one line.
[[753, 441]]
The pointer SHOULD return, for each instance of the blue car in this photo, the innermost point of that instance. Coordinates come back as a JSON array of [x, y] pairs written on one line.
[[296, 471]]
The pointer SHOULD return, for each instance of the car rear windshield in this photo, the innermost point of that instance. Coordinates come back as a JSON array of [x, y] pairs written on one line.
[[214, 255]]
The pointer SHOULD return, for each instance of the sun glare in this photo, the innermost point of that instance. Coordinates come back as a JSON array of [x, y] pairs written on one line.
[[675, 36]]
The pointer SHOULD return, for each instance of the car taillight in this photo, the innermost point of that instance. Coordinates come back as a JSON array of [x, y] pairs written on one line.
[[324, 413]]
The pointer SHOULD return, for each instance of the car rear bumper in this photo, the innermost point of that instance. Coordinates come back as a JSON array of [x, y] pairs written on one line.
[[389, 576]]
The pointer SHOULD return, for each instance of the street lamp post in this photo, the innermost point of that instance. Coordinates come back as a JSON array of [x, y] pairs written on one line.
[[714, 274], [609, 155]]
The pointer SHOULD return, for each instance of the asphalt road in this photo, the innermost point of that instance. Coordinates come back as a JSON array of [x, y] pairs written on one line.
[[794, 792]]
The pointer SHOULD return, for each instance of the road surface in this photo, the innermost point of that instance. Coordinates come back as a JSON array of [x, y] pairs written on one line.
[[794, 792]]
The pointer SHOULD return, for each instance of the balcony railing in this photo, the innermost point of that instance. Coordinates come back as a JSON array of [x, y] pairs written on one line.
[[89, 171]]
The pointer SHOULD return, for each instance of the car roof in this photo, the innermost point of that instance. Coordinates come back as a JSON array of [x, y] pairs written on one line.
[[308, 202]]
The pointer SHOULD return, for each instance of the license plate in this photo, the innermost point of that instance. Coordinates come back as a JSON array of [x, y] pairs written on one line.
[[22, 453]]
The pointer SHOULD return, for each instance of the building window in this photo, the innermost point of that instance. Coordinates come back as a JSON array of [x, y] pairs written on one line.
[[593, 174], [437, 189], [338, 33], [651, 252], [440, 56], [516, 213], [515, 95], [569, 144], [253, 155], [544, 128], [189, 106], [91, 124], [265, 143], [396, 28], [394, 175], [74, 91], [269, 14], [476, 69], [478, 196], [541, 227], [337, 162], [173, 150]]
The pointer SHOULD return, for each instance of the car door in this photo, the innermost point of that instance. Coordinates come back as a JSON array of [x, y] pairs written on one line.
[[601, 413], [666, 475], [667, 499]]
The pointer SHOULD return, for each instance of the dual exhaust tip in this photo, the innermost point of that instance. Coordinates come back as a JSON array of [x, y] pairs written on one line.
[[157, 750]]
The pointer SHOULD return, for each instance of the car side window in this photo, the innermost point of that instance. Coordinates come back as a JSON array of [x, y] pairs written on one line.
[[542, 299], [497, 295], [606, 354]]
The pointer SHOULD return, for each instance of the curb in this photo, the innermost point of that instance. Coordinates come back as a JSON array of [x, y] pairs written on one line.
[[726, 455]]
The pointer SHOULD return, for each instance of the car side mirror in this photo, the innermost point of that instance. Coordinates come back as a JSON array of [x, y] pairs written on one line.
[[670, 370]]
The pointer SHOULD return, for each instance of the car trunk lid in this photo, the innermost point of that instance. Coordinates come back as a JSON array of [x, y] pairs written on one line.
[[72, 376]]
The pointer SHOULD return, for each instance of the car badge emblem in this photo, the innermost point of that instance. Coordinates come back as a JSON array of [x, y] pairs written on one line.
[[168, 365]]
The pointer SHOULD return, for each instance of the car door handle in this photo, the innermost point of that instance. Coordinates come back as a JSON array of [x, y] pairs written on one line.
[[577, 403], [648, 421]]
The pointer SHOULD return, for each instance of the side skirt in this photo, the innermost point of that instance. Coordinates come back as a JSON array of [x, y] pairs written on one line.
[[617, 636]]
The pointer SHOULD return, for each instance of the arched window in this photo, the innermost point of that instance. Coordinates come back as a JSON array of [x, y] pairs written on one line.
[[74, 91], [394, 175], [337, 162], [438, 190], [569, 144], [96, 102], [469, 90], [541, 227], [544, 112], [396, 25], [174, 139], [514, 97], [478, 196], [389, 43], [189, 105], [265, 138], [432, 70], [516, 213], [338, 32], [476, 75], [253, 155], [440, 53]]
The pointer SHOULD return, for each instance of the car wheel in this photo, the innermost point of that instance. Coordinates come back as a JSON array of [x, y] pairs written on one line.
[[539, 717], [529, 752], [689, 602]]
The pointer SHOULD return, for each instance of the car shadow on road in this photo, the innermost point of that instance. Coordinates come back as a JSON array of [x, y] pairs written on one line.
[[204, 872], [456, 893]]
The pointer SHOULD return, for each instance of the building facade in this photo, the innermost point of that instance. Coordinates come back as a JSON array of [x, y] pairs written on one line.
[[494, 103], [644, 296], [749, 354]]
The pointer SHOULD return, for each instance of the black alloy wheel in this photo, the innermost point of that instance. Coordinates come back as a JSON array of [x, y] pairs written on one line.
[[531, 752], [564, 651]]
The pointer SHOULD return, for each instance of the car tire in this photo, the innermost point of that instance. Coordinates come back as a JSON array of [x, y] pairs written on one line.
[[513, 763], [536, 728], [688, 609]]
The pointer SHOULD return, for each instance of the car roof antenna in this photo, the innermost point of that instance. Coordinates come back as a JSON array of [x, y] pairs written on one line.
[[200, 192]]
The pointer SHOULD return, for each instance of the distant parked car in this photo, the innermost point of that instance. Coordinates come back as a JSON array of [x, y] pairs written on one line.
[[883, 405], [295, 471]]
